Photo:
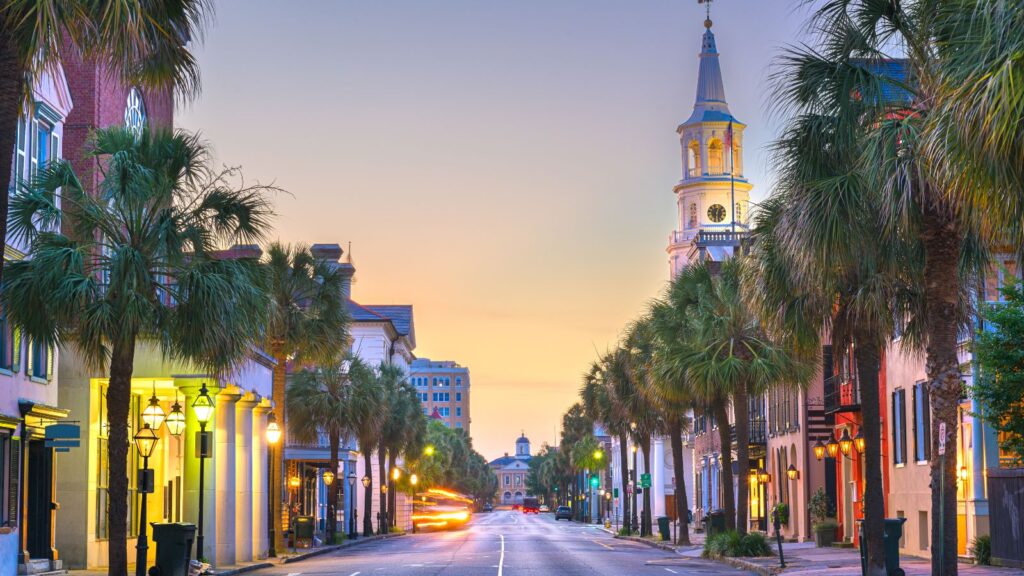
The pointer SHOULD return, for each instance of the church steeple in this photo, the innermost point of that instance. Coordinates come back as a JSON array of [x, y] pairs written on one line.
[[710, 87]]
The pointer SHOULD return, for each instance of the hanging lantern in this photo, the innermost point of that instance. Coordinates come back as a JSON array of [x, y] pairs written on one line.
[[845, 442], [832, 447], [819, 450], [273, 430], [154, 413], [763, 476], [792, 472], [175, 420], [858, 441], [328, 477]]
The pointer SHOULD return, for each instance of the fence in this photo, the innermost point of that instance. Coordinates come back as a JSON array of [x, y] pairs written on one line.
[[1006, 515]]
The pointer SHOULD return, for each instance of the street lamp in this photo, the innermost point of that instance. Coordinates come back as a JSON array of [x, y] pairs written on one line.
[[598, 455], [832, 447], [845, 442], [145, 441], [273, 435], [176, 419], [429, 450], [366, 481], [792, 472], [203, 408], [154, 415], [328, 478], [413, 480], [352, 498], [819, 450], [294, 482], [858, 441]]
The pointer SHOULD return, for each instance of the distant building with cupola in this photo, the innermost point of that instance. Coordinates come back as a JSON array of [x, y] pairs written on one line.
[[512, 472]]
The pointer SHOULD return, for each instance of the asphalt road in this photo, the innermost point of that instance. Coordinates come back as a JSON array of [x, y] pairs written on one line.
[[504, 543]]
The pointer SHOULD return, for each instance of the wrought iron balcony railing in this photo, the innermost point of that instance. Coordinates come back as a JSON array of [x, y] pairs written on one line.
[[842, 394]]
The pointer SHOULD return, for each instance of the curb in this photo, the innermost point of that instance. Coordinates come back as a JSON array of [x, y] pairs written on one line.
[[658, 545], [242, 569], [327, 549], [749, 566]]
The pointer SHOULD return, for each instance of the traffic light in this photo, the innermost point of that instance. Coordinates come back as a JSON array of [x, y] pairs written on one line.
[[594, 481]]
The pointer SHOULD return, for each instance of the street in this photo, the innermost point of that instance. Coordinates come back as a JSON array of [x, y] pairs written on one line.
[[504, 543]]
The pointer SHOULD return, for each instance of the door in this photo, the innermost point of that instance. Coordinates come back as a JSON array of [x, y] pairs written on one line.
[[40, 499]]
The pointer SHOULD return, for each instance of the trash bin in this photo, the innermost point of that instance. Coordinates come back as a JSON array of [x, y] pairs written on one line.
[[173, 547], [893, 533], [303, 531], [890, 546], [663, 528], [716, 522]]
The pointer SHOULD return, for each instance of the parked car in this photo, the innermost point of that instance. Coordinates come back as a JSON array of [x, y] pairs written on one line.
[[487, 507], [563, 512], [545, 508]]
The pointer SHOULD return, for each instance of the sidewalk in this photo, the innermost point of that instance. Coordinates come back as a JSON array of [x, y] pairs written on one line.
[[286, 558]]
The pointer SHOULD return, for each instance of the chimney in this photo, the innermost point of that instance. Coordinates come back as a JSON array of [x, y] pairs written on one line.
[[331, 253]]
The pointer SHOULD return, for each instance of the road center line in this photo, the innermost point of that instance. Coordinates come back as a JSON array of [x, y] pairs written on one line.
[[599, 543], [501, 559]]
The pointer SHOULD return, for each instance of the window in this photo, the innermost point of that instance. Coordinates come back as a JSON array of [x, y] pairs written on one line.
[[434, 381], [20, 153], [716, 158], [9, 342], [922, 424], [693, 159], [458, 424], [507, 480], [458, 396], [739, 213], [40, 360], [10, 455], [458, 382], [899, 426], [445, 411], [41, 146], [447, 381], [693, 215], [924, 531], [458, 411]]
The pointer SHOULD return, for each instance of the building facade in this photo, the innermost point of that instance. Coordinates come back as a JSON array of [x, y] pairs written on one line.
[[30, 411], [443, 385], [512, 472]]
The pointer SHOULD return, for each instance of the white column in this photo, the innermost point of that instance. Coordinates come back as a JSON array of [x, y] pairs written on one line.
[[658, 477], [223, 480], [243, 478], [260, 477]]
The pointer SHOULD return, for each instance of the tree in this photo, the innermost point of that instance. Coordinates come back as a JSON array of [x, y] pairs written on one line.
[[1000, 383], [308, 323], [637, 351], [390, 378], [318, 399], [140, 264], [403, 432], [454, 464], [366, 413], [602, 403], [142, 42]]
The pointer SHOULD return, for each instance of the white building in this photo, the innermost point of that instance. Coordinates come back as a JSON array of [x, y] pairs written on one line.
[[512, 472]]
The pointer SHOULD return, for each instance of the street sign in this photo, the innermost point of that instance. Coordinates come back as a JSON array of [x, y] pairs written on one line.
[[645, 480], [615, 492], [942, 438]]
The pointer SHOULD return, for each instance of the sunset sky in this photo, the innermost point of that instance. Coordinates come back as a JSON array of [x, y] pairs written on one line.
[[504, 166]]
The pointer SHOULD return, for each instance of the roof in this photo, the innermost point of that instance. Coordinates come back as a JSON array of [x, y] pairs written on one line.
[[522, 439], [503, 461], [400, 316], [362, 313], [710, 104]]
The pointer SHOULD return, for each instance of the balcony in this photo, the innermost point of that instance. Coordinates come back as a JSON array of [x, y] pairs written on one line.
[[842, 394], [757, 432]]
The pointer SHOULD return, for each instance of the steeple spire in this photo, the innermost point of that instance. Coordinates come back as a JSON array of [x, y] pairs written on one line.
[[710, 88]]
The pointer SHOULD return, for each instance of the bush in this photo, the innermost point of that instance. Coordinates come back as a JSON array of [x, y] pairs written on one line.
[[734, 545], [981, 549], [826, 524]]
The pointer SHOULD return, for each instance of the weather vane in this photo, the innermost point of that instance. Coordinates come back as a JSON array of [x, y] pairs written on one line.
[[707, 5]]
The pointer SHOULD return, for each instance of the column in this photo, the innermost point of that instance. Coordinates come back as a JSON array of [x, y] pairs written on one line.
[[190, 496], [260, 479], [223, 481], [244, 476], [658, 477]]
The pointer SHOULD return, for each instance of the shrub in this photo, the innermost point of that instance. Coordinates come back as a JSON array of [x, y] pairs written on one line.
[[981, 549], [826, 524], [734, 545], [818, 506], [781, 512]]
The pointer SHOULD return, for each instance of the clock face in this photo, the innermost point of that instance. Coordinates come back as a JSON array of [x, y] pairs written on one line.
[[716, 213]]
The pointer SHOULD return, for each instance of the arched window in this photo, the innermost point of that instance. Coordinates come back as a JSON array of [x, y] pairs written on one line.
[[693, 159], [693, 215], [716, 162], [739, 214], [737, 158]]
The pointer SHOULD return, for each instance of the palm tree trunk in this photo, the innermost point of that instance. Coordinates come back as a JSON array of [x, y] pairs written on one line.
[[278, 384], [942, 242], [382, 473], [676, 435], [645, 522], [868, 359], [741, 410], [332, 492], [725, 439], [12, 84], [393, 493], [119, 395], [368, 494], [624, 477]]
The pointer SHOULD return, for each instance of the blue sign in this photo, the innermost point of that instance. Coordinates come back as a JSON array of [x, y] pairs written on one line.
[[63, 437]]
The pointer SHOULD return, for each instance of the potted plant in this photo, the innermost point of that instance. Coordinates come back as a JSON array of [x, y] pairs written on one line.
[[823, 525]]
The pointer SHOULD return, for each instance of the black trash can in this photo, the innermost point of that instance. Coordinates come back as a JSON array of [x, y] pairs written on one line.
[[304, 531], [893, 533], [716, 522], [173, 547], [663, 528]]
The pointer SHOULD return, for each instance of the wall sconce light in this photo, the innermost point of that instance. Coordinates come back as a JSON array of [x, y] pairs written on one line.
[[963, 473], [792, 472], [832, 447], [858, 441], [845, 442], [819, 450]]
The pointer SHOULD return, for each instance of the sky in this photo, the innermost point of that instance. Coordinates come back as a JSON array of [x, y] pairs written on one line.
[[505, 167]]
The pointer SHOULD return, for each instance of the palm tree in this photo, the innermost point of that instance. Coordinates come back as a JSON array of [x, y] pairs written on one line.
[[366, 413], [602, 404], [139, 264], [646, 421], [318, 400], [390, 379], [308, 323], [142, 42], [868, 85], [403, 433]]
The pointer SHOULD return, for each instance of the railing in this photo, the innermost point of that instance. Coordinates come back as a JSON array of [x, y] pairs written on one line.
[[756, 432], [842, 394], [722, 237]]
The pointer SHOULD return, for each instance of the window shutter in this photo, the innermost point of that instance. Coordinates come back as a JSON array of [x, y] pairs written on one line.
[[29, 364], [49, 363], [926, 410], [16, 350], [913, 409], [903, 424], [13, 485]]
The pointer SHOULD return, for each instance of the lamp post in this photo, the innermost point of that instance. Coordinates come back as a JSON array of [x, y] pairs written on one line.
[[273, 434], [331, 521], [636, 522], [413, 480], [367, 523], [352, 502], [203, 408], [145, 441], [392, 499], [382, 515]]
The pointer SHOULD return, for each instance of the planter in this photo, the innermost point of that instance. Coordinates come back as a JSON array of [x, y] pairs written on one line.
[[824, 535]]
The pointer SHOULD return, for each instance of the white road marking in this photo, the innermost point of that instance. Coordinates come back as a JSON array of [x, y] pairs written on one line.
[[501, 559], [671, 570], [354, 574], [603, 544]]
